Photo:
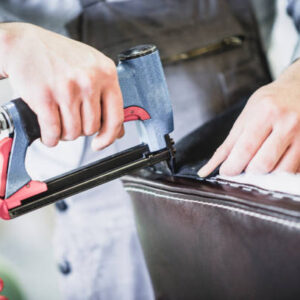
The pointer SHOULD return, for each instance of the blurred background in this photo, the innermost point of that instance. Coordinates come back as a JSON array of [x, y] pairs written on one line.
[[26, 249]]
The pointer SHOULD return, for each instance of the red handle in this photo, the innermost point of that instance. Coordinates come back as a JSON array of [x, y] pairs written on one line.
[[132, 113]]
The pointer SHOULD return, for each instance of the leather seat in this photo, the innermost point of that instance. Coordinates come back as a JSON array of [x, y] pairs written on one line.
[[211, 239]]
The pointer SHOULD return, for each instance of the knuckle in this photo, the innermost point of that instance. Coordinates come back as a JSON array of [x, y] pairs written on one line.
[[69, 92], [89, 84], [92, 77], [109, 69], [271, 109], [292, 122], [247, 148], [86, 81], [44, 95], [45, 92]]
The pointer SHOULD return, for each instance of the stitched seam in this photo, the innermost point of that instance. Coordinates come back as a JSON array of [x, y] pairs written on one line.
[[245, 187], [260, 216], [263, 191]]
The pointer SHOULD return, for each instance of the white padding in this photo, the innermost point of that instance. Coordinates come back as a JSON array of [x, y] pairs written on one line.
[[276, 182]]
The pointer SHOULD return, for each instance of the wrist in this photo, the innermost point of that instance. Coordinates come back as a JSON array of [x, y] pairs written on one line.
[[10, 34], [291, 74], [5, 41], [7, 36]]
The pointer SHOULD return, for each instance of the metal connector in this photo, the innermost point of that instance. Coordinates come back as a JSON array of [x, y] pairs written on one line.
[[5, 121]]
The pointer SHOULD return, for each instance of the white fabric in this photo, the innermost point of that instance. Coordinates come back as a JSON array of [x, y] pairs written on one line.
[[276, 182]]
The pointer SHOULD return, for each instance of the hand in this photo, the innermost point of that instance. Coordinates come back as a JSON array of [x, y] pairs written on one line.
[[72, 87], [266, 135]]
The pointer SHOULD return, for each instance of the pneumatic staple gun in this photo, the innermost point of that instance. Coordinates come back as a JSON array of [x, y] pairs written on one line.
[[146, 100]]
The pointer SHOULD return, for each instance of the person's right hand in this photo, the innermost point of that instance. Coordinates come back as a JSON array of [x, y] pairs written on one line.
[[72, 87]]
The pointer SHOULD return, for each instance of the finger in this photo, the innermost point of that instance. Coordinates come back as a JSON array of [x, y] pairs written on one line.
[[223, 151], [245, 148], [269, 153], [290, 160], [90, 107], [50, 123], [220, 154], [68, 98], [112, 117], [71, 122], [91, 115], [121, 133]]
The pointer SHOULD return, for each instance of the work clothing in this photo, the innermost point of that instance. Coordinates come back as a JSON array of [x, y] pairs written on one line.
[[98, 250]]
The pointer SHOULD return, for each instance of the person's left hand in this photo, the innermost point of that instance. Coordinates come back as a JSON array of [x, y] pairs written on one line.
[[266, 135]]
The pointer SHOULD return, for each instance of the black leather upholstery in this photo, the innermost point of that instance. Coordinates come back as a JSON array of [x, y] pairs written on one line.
[[207, 239]]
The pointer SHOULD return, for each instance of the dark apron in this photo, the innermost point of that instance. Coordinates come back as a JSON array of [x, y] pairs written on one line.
[[210, 49]]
